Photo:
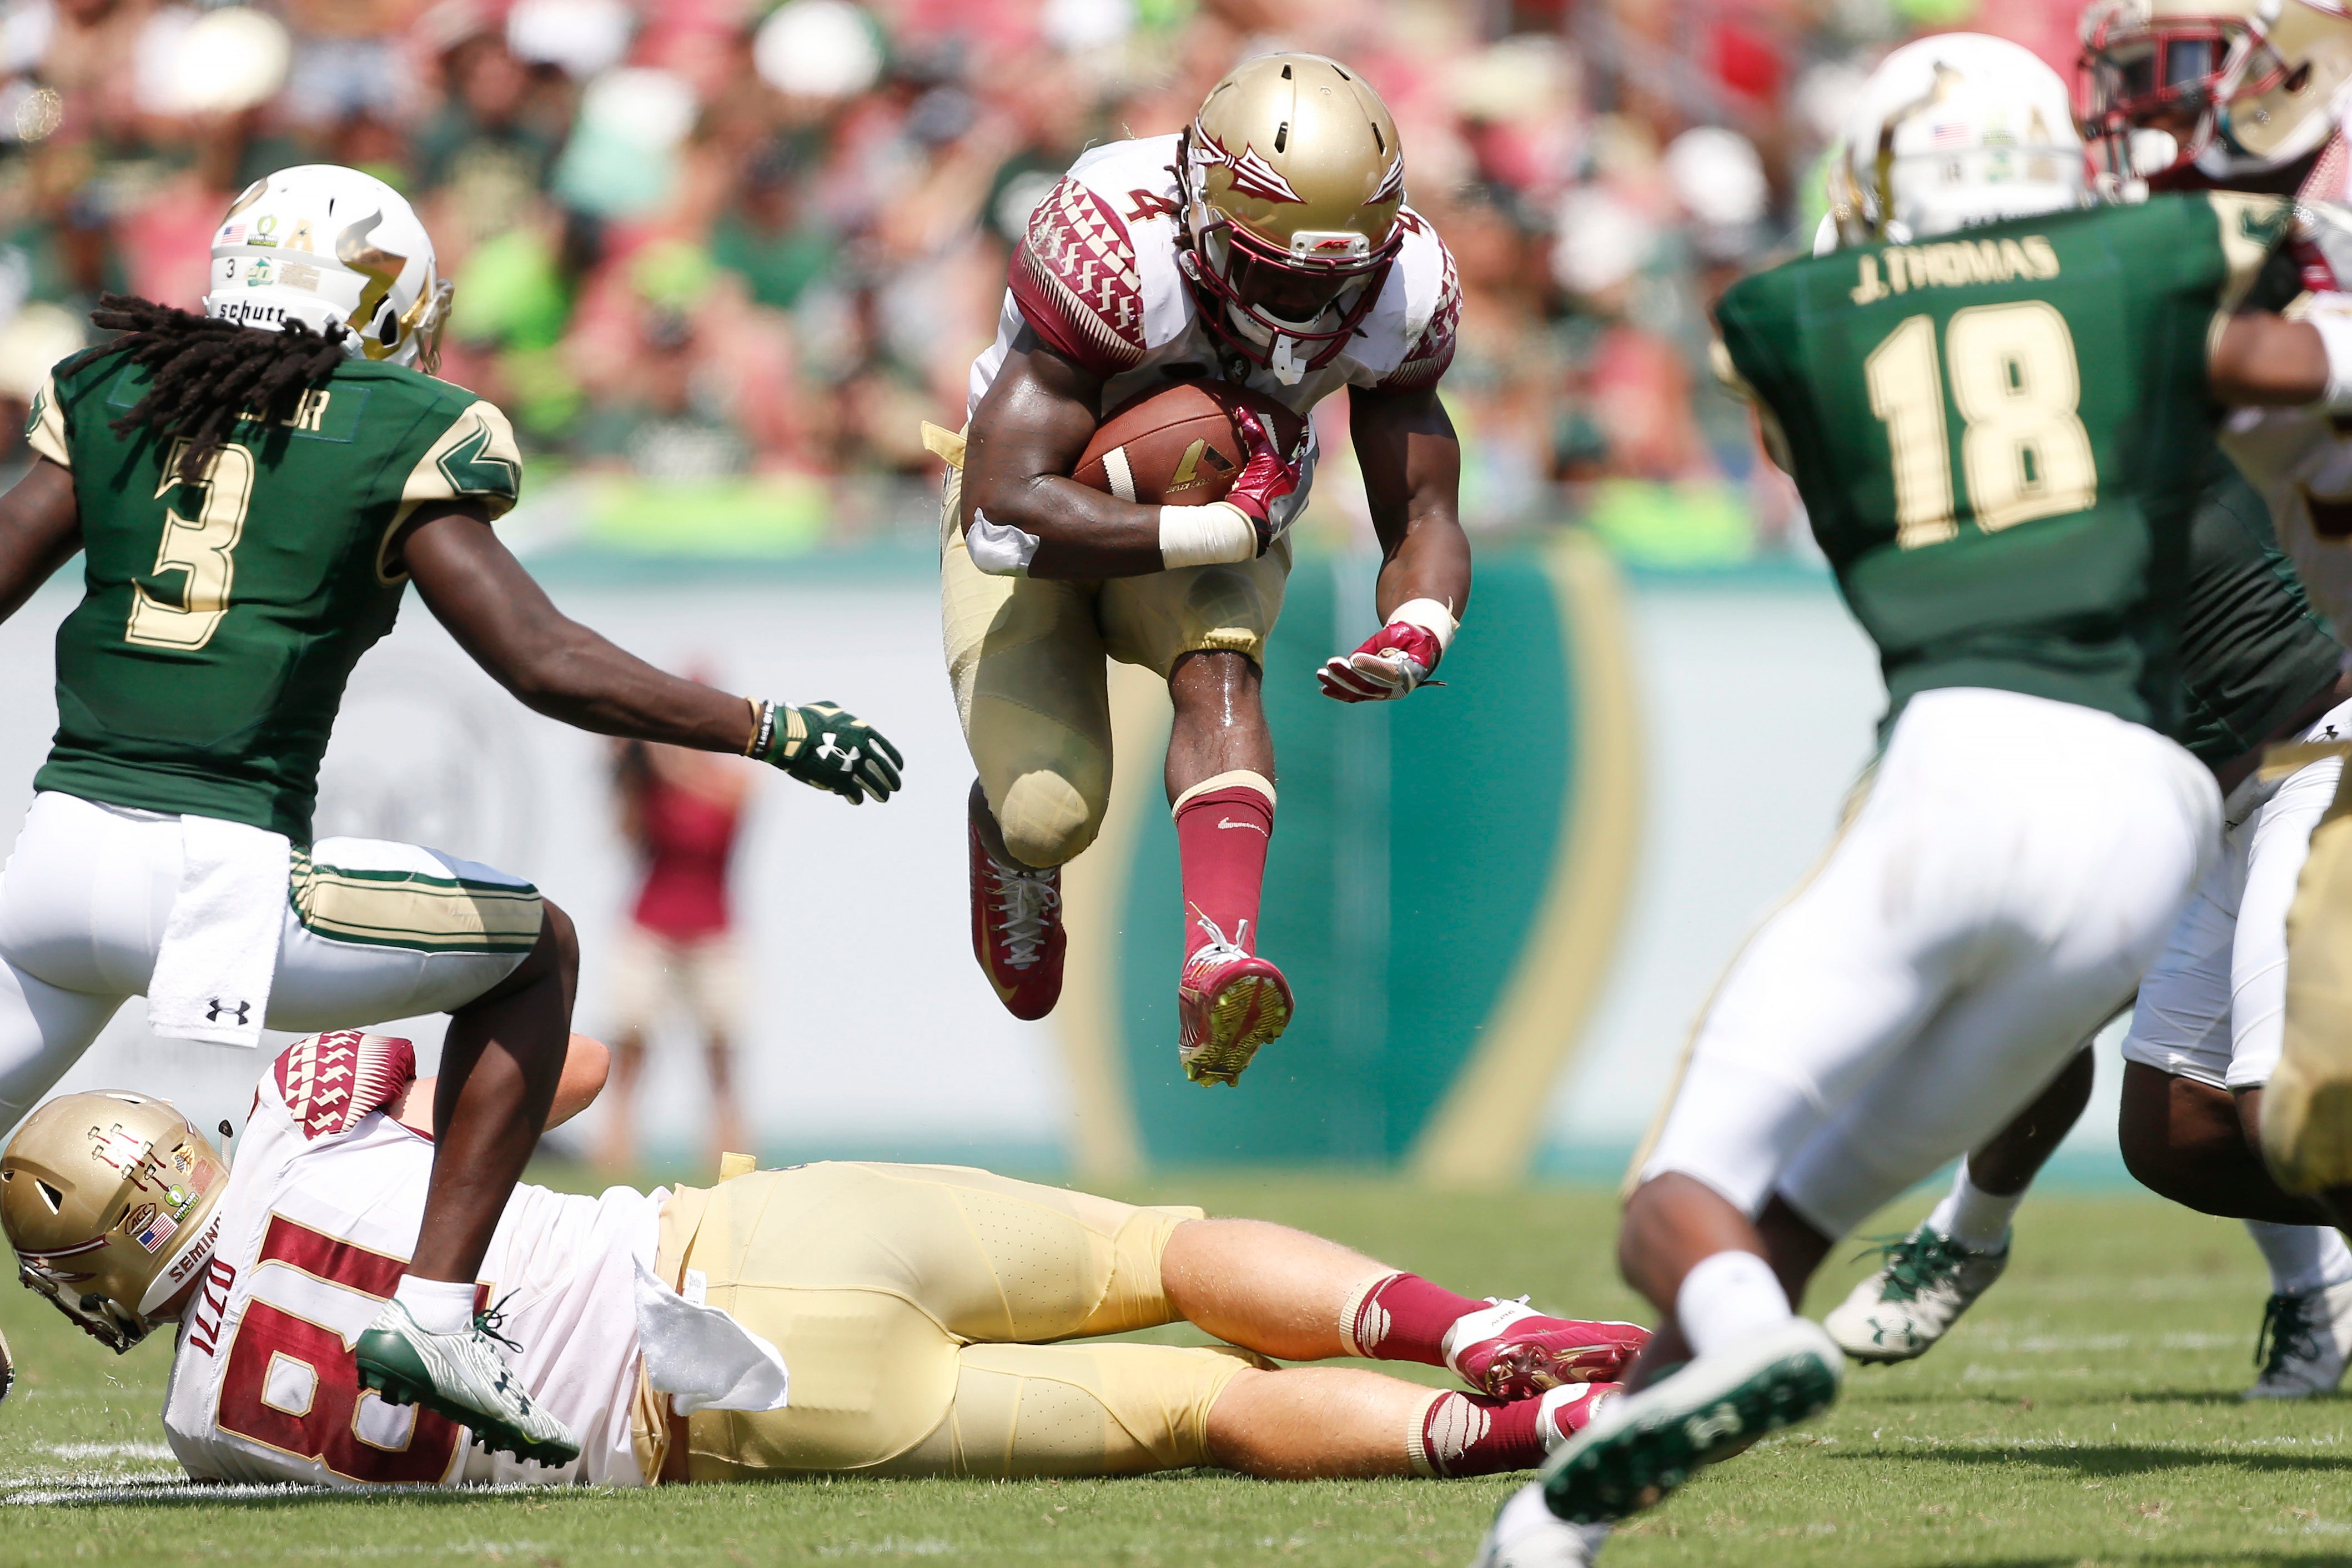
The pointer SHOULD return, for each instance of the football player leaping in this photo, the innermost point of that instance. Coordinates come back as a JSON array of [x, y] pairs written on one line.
[[1269, 245], [2013, 533], [909, 1304], [252, 489], [2192, 94]]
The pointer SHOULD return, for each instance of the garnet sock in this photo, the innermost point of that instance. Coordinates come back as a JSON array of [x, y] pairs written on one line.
[[1223, 827], [1470, 1435], [1402, 1317]]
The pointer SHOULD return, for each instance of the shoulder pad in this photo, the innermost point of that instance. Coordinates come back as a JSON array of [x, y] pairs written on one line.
[[1418, 343], [1096, 275], [331, 1082]]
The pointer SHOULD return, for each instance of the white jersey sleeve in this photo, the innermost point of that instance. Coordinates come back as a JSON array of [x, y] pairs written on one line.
[[320, 1215]]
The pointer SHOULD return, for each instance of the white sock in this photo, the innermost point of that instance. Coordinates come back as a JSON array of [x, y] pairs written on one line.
[[1730, 1296], [1977, 1220], [437, 1306], [2302, 1258]]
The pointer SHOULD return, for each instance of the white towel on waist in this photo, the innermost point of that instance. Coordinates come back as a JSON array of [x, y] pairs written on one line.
[[218, 957], [700, 1356]]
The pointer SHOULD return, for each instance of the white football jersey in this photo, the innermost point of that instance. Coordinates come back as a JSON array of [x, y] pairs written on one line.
[[2299, 458], [324, 1199], [1096, 278]]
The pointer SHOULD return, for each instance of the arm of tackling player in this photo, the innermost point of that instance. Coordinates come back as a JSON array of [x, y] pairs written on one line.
[[1023, 516], [2261, 360], [555, 666], [41, 528], [1412, 463], [585, 1063]]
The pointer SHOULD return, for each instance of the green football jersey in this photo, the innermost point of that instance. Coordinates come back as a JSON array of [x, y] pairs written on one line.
[[2000, 437], [220, 621], [2252, 650]]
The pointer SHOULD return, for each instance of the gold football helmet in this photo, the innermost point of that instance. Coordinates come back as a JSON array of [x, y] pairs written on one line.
[[108, 1200], [2242, 86], [1291, 182]]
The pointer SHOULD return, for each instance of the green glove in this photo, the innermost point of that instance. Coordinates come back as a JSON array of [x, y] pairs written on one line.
[[823, 746]]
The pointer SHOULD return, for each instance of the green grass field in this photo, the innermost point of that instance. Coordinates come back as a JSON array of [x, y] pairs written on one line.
[[2088, 1412]]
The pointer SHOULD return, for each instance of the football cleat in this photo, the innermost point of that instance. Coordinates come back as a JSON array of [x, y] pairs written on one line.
[[1927, 1281], [1229, 1002], [1569, 1409], [461, 1376], [1016, 931], [1510, 1351], [1641, 1448], [1526, 1535], [2304, 1343]]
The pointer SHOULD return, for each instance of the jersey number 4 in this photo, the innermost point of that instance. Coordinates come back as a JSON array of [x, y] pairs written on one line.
[[291, 1384], [2023, 446], [202, 547]]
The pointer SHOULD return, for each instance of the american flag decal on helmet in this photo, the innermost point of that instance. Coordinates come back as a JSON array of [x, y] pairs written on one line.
[[331, 1082]]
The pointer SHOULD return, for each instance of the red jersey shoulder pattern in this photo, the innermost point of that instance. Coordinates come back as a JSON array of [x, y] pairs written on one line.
[[330, 1081], [1075, 280]]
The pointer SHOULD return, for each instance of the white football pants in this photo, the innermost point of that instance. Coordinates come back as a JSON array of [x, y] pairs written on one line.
[[89, 889], [2013, 867]]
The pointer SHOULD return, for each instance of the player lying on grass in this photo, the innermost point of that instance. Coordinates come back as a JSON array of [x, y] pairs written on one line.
[[1999, 433], [2209, 1020], [1268, 246], [912, 1305], [252, 490]]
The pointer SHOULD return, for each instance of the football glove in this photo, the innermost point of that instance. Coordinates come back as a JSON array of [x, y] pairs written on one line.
[[831, 750], [1266, 477], [1394, 660]]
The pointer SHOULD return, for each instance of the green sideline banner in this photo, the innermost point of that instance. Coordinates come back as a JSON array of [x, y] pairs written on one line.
[[1443, 890]]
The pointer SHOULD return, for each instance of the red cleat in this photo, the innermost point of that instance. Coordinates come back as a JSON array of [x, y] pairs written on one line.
[[1016, 931], [1229, 1002], [1569, 1409], [1510, 1351]]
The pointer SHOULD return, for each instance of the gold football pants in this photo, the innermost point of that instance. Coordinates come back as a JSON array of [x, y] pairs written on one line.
[[2307, 1104], [1026, 658], [910, 1303]]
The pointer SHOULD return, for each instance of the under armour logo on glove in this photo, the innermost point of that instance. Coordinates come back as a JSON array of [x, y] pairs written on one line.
[[212, 1013], [864, 768]]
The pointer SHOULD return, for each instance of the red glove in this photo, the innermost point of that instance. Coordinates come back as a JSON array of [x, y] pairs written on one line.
[[1266, 477], [1393, 661]]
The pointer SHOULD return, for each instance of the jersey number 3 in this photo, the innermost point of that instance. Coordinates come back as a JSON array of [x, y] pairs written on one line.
[[2023, 446], [203, 548]]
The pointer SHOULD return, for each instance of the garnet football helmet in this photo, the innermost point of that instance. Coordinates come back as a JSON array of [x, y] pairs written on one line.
[[2242, 86], [1291, 182], [108, 1200]]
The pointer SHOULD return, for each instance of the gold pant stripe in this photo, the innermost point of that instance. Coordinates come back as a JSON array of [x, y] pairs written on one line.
[[400, 909]]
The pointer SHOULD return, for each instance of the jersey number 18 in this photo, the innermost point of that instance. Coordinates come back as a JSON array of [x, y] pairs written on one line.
[[2023, 448]]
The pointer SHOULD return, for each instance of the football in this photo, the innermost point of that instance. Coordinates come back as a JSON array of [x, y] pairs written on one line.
[[1176, 445]]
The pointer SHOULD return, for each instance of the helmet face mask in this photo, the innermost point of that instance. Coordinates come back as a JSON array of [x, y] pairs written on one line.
[[1291, 184], [111, 1201], [2242, 87]]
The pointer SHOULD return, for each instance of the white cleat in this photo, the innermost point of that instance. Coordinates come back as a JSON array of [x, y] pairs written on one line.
[[1525, 1534], [2304, 1344], [461, 1376], [1918, 1293]]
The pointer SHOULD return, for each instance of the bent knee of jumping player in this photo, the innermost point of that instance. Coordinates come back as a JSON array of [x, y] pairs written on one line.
[[1046, 819]]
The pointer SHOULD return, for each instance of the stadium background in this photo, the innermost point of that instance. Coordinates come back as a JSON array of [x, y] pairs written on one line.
[[718, 259]]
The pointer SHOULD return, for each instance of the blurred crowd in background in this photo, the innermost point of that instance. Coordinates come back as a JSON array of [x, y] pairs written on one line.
[[718, 258]]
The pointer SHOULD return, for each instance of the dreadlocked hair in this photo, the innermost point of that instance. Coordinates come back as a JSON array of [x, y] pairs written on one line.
[[207, 373]]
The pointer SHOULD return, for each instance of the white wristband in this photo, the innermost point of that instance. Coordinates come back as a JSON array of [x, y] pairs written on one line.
[[1207, 535], [2335, 329], [1430, 616]]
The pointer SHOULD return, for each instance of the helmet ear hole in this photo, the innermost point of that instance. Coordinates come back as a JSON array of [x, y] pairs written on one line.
[[387, 325]]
